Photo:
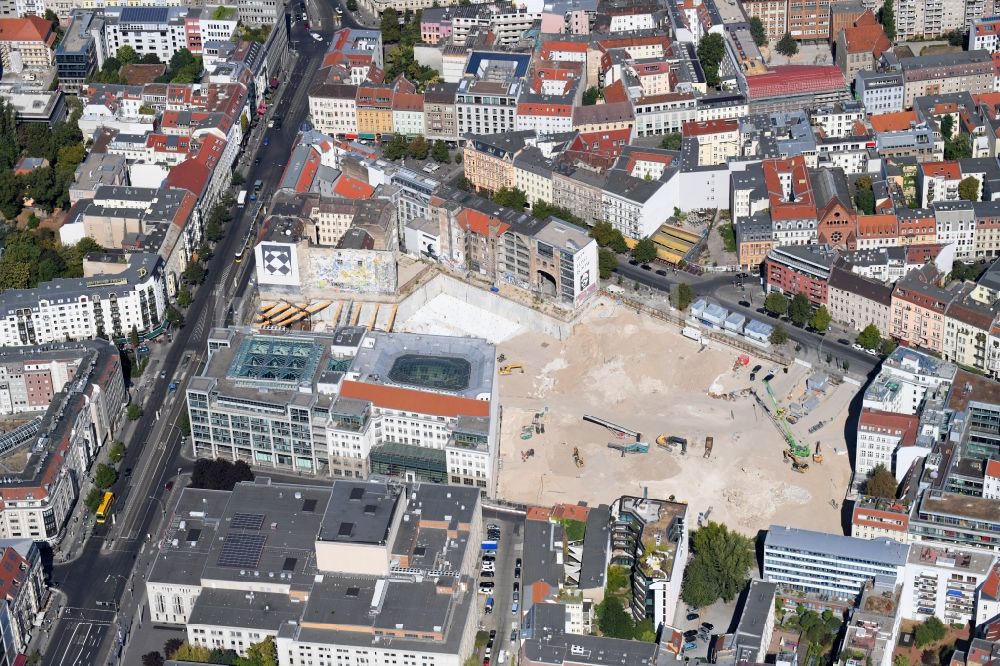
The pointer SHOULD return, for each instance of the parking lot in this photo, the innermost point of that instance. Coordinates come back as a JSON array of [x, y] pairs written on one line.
[[719, 615], [502, 619]]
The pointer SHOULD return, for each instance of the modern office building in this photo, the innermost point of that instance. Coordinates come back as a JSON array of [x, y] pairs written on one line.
[[650, 537], [350, 404], [828, 565], [356, 572]]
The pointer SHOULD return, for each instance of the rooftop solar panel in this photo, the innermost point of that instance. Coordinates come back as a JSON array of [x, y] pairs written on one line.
[[247, 521], [242, 551]]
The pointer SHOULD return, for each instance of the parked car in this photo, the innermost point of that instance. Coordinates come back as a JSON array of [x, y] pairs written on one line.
[[690, 646], [690, 634], [691, 617], [486, 588], [487, 574], [513, 608], [513, 635], [168, 486], [661, 273], [493, 632], [745, 304], [316, 36], [646, 267], [707, 626], [489, 606]]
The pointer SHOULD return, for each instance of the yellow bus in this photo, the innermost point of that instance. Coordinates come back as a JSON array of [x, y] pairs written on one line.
[[104, 510]]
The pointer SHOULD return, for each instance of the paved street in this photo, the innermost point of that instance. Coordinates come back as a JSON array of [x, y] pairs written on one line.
[[96, 586], [719, 286]]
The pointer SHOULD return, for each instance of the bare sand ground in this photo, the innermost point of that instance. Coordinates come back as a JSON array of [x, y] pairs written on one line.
[[642, 374]]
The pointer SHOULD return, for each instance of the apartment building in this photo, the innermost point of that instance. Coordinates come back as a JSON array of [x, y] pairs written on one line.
[[873, 625], [881, 518], [856, 301], [880, 92], [772, 13], [665, 114], [859, 46], [79, 55], [356, 548], [942, 582], [26, 42], [800, 270], [489, 158], [880, 434], [333, 108], [985, 34], [372, 415], [161, 31], [486, 106], [965, 71], [355, 51], [64, 436], [829, 564], [85, 308], [809, 19], [918, 309], [23, 581], [440, 112], [650, 538]]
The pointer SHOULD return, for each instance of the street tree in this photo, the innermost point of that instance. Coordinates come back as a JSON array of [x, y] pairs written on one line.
[[779, 335], [787, 46], [511, 197], [194, 273], [440, 152], [93, 499], [681, 296], [133, 412], [644, 251], [171, 646], [153, 658], [720, 567], [117, 452], [799, 308], [870, 338], [105, 476], [418, 148], [820, 320], [397, 148], [607, 262], [133, 337], [776, 303], [757, 31], [881, 483], [184, 423], [184, 297]]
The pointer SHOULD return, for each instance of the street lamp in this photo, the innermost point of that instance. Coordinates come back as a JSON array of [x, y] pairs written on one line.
[[163, 507]]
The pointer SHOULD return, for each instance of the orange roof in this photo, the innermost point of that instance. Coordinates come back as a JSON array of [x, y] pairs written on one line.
[[414, 400], [481, 223], [27, 29], [540, 591], [877, 225], [949, 170], [705, 127], [991, 586], [571, 512], [867, 39], [352, 188], [993, 468], [893, 122], [616, 92], [868, 18], [902, 425], [538, 513]]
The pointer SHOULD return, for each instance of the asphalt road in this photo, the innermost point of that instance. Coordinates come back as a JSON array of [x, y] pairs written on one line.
[[719, 286], [96, 583]]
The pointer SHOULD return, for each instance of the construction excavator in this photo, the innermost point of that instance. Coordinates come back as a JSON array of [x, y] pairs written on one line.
[[577, 458], [798, 453], [511, 367]]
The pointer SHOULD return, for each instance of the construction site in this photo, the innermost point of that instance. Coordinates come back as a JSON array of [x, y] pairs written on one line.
[[627, 405]]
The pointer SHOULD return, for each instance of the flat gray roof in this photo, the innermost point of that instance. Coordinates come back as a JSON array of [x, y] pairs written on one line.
[[883, 551], [238, 608], [359, 512]]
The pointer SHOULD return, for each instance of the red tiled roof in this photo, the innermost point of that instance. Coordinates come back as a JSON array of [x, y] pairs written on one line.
[[706, 127], [993, 468], [903, 426], [481, 223], [571, 512], [27, 29], [413, 400], [352, 188], [878, 225], [867, 38], [949, 170], [791, 79], [991, 586], [616, 92]]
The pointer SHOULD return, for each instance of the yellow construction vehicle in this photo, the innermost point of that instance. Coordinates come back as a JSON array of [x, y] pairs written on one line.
[[577, 458], [511, 367]]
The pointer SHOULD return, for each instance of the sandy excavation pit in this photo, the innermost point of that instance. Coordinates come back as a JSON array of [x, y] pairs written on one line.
[[642, 374]]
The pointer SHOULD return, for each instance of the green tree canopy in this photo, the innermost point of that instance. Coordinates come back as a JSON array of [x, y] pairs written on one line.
[[105, 476], [929, 631], [865, 201], [711, 51], [776, 303], [787, 46], [820, 319], [511, 198], [607, 236], [800, 308], [126, 55], [612, 619], [720, 567], [644, 251], [397, 148], [757, 31], [681, 296], [117, 452], [779, 335], [870, 338], [418, 148], [671, 141], [968, 188], [947, 126], [607, 262], [439, 153], [591, 95], [880, 483], [887, 17], [93, 499], [390, 25]]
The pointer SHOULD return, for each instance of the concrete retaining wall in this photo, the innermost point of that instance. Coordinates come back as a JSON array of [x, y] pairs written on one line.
[[485, 300]]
